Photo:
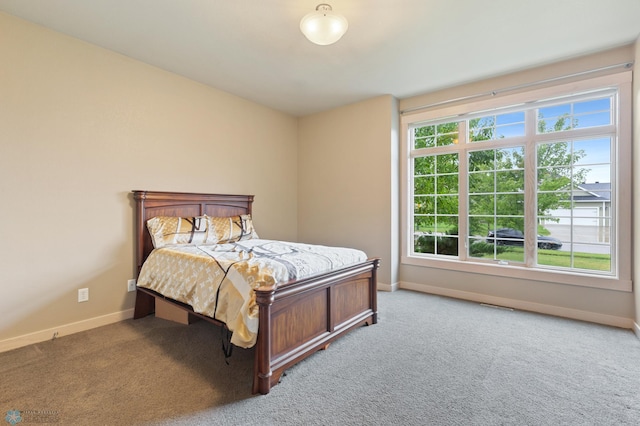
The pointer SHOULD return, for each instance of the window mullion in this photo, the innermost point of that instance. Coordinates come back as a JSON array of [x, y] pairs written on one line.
[[530, 191], [463, 190]]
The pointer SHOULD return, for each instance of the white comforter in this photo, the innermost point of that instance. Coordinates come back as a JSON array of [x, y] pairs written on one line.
[[218, 280]]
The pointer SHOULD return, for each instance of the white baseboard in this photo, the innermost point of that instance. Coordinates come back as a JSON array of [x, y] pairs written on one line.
[[526, 306], [388, 287], [64, 330]]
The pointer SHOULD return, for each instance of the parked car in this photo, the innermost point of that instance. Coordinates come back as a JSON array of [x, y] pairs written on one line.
[[514, 237]]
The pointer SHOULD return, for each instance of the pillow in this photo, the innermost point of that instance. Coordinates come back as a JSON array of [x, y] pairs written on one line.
[[170, 230], [233, 228]]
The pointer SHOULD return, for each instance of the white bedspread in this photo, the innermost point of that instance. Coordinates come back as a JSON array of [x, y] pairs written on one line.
[[218, 280]]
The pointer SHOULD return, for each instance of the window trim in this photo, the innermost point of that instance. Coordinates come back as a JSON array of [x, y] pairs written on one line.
[[622, 165]]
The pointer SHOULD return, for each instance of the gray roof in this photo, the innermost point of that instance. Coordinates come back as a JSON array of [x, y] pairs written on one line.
[[597, 192]]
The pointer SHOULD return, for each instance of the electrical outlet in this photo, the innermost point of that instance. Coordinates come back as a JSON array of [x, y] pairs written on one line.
[[131, 285], [83, 294]]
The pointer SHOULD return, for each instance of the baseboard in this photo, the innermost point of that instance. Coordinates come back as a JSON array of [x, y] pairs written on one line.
[[526, 306], [388, 287], [64, 330]]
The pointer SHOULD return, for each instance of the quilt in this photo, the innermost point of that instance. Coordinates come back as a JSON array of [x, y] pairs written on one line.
[[219, 280]]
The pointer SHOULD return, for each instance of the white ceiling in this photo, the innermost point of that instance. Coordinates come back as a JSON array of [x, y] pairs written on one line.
[[254, 48]]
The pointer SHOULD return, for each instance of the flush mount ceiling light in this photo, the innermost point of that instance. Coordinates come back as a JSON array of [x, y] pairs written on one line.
[[323, 26]]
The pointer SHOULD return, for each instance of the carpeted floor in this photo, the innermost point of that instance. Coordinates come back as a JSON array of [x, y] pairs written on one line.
[[429, 361]]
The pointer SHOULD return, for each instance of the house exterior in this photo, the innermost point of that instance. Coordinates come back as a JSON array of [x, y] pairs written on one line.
[[592, 206], [590, 217]]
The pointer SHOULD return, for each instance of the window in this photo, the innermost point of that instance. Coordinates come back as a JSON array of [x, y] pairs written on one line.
[[526, 183]]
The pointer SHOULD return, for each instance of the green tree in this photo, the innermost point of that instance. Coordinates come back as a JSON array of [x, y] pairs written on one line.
[[556, 175], [501, 171]]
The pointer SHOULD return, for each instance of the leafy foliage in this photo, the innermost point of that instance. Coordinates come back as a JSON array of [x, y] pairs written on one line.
[[479, 248], [438, 244]]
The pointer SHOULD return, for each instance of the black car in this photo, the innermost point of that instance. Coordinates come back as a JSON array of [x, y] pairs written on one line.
[[514, 237]]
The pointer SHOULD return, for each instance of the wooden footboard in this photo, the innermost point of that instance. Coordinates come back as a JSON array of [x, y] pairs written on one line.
[[302, 317]]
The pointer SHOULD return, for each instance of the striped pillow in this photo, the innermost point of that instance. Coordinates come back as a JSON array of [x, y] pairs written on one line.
[[170, 230], [233, 228]]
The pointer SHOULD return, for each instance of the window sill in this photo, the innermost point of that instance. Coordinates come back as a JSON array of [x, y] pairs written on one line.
[[521, 272]]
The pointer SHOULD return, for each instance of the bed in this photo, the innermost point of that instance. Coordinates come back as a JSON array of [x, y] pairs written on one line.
[[295, 318]]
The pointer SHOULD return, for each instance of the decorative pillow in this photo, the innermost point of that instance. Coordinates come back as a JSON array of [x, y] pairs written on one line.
[[233, 228], [170, 230]]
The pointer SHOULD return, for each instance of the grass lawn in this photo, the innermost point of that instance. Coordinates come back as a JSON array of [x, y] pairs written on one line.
[[588, 261]]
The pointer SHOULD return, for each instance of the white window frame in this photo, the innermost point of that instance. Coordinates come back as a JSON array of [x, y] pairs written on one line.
[[622, 171]]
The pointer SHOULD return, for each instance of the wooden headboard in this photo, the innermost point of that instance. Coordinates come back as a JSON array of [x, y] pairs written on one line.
[[150, 204]]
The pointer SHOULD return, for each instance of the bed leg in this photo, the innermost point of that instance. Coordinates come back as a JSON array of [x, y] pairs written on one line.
[[145, 304], [374, 291], [263, 374]]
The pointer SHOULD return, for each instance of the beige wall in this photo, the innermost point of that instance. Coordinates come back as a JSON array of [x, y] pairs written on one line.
[[347, 162], [607, 306], [80, 127]]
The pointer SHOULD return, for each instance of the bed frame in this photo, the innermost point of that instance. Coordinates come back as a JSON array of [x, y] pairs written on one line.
[[297, 318]]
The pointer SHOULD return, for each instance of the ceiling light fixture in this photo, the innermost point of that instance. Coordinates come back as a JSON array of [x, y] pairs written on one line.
[[323, 26]]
